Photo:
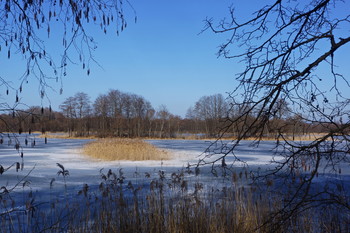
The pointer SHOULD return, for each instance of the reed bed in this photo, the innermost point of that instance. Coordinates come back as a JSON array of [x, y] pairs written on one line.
[[173, 203], [124, 149]]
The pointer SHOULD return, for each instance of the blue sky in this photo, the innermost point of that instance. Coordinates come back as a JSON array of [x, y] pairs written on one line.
[[162, 57]]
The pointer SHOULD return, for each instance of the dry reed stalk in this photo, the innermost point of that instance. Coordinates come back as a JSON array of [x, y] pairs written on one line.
[[305, 137], [63, 136], [124, 149]]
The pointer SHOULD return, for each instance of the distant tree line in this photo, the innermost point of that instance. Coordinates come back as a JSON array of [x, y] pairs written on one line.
[[120, 114]]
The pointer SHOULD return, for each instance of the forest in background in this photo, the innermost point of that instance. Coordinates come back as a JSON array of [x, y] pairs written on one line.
[[120, 114]]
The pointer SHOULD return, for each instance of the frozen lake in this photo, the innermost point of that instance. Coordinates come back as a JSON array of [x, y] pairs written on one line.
[[37, 183], [40, 162]]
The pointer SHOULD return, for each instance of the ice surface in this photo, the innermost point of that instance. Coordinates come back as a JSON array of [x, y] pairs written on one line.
[[40, 162], [82, 169]]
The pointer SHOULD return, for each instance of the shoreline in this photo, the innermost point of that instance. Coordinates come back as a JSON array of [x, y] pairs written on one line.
[[306, 137]]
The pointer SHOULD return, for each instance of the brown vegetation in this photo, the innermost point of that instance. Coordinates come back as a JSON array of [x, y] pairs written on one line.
[[63, 135], [124, 149], [165, 203], [302, 137], [125, 115]]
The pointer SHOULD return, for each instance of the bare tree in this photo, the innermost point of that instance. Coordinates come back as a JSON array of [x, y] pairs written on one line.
[[21, 32], [163, 116], [290, 48], [140, 108], [83, 104], [150, 115], [127, 114], [26, 27], [77, 110], [77, 106], [101, 109], [117, 101], [211, 110]]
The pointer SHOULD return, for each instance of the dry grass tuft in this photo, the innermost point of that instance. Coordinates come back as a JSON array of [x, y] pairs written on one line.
[[124, 149]]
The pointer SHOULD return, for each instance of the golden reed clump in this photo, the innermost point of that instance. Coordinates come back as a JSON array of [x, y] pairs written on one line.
[[124, 149]]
